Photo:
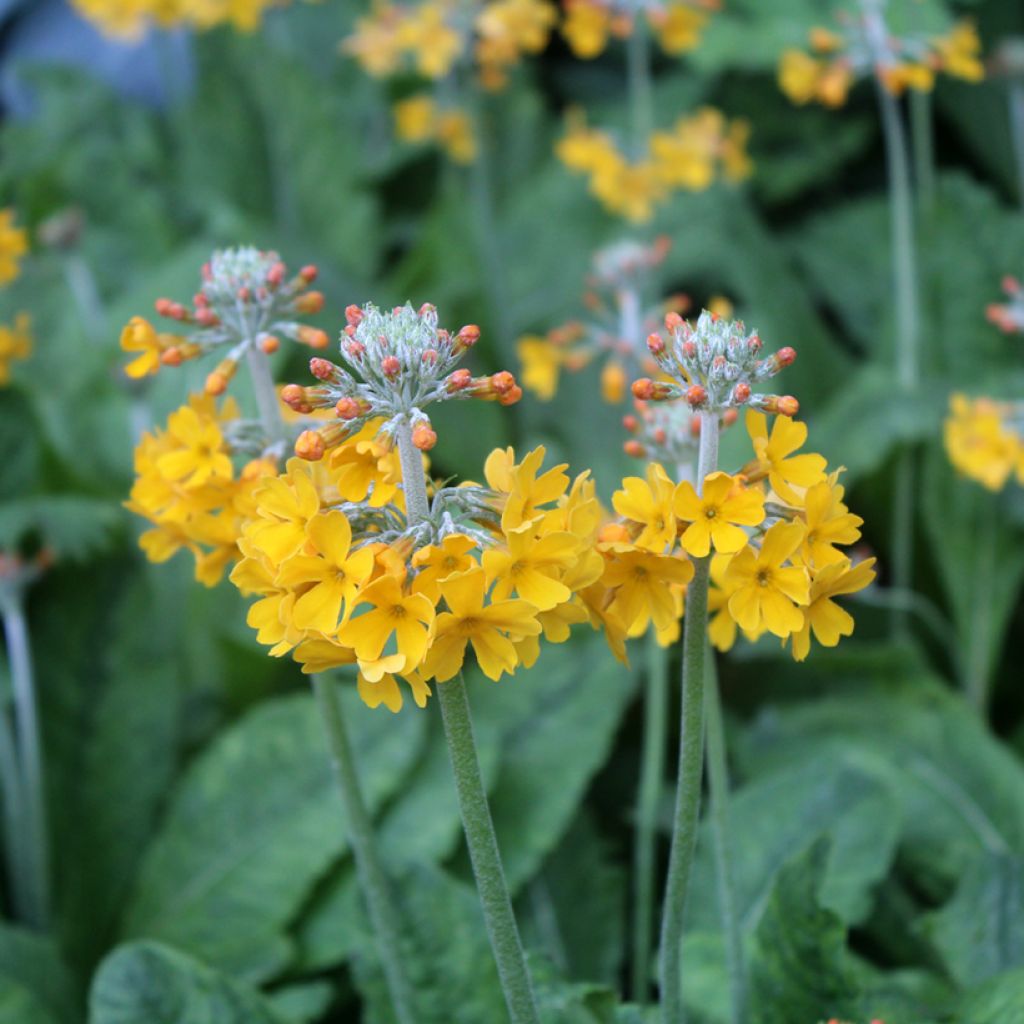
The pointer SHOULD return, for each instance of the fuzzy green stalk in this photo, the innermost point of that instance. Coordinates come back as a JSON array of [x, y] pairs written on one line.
[[923, 134], [13, 818], [978, 659], [904, 264], [384, 916], [645, 850], [477, 824], [265, 393], [718, 794], [29, 753], [686, 818], [638, 69]]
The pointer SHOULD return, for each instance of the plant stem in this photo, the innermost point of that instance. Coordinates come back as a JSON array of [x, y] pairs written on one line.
[[266, 394], [14, 817], [922, 130], [484, 854], [691, 756], [904, 263], [641, 102], [476, 813], [979, 642], [387, 925], [652, 769], [1016, 99], [30, 758], [718, 792]]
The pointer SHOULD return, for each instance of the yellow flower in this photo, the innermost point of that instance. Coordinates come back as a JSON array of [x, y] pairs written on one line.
[[13, 245], [799, 75], [15, 345], [786, 472], [716, 516], [525, 24], [646, 585], [979, 443], [766, 593], [721, 625], [960, 52], [199, 454], [284, 506], [363, 466], [650, 503], [828, 621], [456, 137], [829, 522], [586, 28], [613, 382], [407, 617], [679, 28], [375, 44], [434, 43], [436, 563], [415, 118], [531, 567], [336, 573], [541, 363], [140, 336], [491, 628], [522, 490]]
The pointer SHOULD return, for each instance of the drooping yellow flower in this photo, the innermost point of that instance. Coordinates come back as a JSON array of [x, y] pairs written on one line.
[[531, 567], [829, 522], [679, 27], [651, 504], [715, 517], [415, 118], [767, 592], [721, 625], [13, 245], [646, 586], [15, 345], [140, 336], [960, 52], [284, 506], [199, 453], [406, 616], [541, 362], [980, 444], [523, 489], [823, 616], [786, 472], [586, 28], [456, 136], [492, 628]]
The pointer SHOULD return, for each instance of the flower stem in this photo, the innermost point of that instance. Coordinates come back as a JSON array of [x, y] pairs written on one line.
[[484, 854], [266, 394], [414, 482], [384, 914], [1016, 100], [641, 102], [922, 130], [30, 758], [904, 264], [14, 817], [718, 791], [652, 769], [978, 659], [691, 756]]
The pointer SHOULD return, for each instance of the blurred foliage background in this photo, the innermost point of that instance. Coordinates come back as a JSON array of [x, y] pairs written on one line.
[[200, 864]]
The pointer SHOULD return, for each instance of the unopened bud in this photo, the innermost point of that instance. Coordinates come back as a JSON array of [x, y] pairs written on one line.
[[309, 273], [324, 369], [696, 395], [729, 417], [643, 388], [459, 380], [690, 349], [1010, 284], [788, 405], [655, 344], [673, 320], [275, 275], [511, 396], [754, 343], [216, 383], [631, 423], [502, 381], [741, 393], [423, 437], [353, 314], [171, 356], [634, 449], [293, 395], [429, 356], [347, 408], [786, 356], [269, 344], [390, 366], [312, 336], [309, 445], [660, 437], [427, 307], [309, 302], [206, 317]]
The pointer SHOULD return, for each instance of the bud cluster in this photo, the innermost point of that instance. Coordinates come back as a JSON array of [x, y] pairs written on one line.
[[397, 362], [247, 301], [714, 366], [668, 433], [1008, 316]]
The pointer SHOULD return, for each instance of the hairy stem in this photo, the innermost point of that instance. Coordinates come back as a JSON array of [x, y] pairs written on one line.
[[645, 859], [384, 916], [718, 792], [484, 854], [30, 762], [691, 756], [266, 394], [1017, 133], [923, 132]]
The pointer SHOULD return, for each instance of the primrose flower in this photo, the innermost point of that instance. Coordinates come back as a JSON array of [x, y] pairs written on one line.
[[717, 514], [985, 440], [13, 246], [864, 45], [677, 24], [418, 119], [15, 345], [129, 18], [822, 615], [789, 475]]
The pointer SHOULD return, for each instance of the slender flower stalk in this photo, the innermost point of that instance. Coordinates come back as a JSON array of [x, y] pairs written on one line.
[[29, 756], [718, 792], [384, 915], [923, 133], [686, 816], [266, 394], [473, 806], [1016, 102], [652, 767], [641, 102]]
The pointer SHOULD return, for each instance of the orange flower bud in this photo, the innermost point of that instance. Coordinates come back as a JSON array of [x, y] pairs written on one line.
[[786, 356], [502, 381], [469, 335], [293, 395], [741, 393], [729, 417], [309, 273], [634, 449], [511, 396], [423, 437], [347, 408], [216, 383], [309, 445], [171, 356], [696, 395], [390, 366], [459, 380], [655, 344], [275, 275], [206, 317], [631, 423], [673, 320], [312, 336], [269, 344], [788, 405], [643, 388], [309, 302]]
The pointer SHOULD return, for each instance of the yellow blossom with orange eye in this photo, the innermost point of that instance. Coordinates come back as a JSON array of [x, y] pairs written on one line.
[[542, 363], [436, 562], [285, 505], [646, 588], [767, 591], [523, 488], [716, 515], [199, 454], [789, 475], [15, 345], [492, 627], [829, 522], [13, 246], [650, 504], [985, 441], [822, 616], [530, 566]]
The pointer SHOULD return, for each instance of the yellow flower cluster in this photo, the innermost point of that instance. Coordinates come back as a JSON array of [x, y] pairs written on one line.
[[418, 119], [433, 36], [15, 345], [838, 60], [984, 440], [772, 532], [13, 245], [129, 18], [699, 148], [187, 486], [333, 595], [677, 25]]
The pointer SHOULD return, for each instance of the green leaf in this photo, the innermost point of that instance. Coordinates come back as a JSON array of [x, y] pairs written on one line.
[[999, 1001], [255, 822], [801, 969], [302, 1003], [71, 526], [149, 983], [19, 1006], [35, 980], [980, 931]]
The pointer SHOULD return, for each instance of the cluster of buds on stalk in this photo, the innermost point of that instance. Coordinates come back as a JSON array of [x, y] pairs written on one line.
[[397, 362], [1008, 316], [714, 366], [669, 433], [247, 302]]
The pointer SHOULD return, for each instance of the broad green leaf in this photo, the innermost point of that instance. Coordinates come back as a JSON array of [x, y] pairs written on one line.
[[35, 980], [255, 822], [999, 1001], [301, 1003], [980, 931], [71, 526], [150, 983], [19, 1006]]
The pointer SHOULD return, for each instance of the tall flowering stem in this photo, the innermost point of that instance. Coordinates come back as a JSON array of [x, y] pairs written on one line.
[[473, 806]]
